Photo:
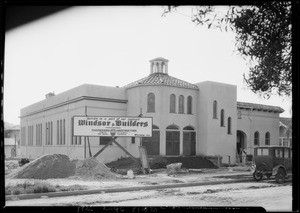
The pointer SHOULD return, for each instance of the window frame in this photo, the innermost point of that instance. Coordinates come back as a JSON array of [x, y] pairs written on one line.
[[222, 116], [181, 104], [215, 109], [267, 138], [151, 102], [172, 103], [189, 107], [256, 138], [229, 123]]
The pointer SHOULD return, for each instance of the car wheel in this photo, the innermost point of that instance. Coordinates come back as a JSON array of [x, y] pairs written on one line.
[[280, 176], [257, 175]]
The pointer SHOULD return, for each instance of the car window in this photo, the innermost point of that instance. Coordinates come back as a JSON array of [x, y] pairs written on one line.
[[278, 153], [286, 153], [262, 151]]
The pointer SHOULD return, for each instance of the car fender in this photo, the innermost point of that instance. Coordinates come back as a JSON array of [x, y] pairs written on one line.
[[276, 168]]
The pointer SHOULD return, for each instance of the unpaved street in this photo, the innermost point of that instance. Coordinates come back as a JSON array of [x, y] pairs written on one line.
[[267, 194]]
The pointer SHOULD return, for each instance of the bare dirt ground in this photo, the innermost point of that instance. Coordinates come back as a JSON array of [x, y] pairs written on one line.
[[158, 178], [268, 194]]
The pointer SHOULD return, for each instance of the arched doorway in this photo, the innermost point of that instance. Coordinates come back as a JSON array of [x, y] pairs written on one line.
[[172, 140], [241, 140], [189, 141], [152, 144]]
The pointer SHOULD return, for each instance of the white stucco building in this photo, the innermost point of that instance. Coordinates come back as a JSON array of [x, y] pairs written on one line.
[[188, 119]]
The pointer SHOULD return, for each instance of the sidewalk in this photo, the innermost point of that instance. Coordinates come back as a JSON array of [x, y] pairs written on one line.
[[158, 180]]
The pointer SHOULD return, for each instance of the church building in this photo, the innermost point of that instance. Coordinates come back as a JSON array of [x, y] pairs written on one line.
[[201, 119]]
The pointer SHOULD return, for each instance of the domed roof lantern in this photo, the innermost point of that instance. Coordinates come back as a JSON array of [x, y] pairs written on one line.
[[159, 65]]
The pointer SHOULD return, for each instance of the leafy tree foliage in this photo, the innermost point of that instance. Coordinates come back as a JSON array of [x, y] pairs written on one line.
[[263, 37]]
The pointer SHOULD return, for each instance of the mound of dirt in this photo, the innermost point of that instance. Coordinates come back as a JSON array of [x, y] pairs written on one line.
[[91, 168], [193, 162], [159, 162], [46, 167], [124, 163]]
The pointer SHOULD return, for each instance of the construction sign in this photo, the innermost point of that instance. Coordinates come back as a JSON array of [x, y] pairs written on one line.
[[112, 126]]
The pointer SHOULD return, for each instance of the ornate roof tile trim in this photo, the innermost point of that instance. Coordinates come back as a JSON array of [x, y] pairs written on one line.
[[259, 107], [162, 79]]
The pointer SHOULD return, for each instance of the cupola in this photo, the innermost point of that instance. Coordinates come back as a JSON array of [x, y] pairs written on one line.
[[159, 65]]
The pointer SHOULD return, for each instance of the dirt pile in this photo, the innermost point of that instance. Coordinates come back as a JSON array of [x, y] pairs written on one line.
[[157, 162], [124, 163], [193, 162], [91, 168], [45, 167]]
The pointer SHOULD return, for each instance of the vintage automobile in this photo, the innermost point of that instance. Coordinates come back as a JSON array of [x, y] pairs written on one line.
[[272, 161]]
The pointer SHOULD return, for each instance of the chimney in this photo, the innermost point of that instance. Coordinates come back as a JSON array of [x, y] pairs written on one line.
[[49, 95]]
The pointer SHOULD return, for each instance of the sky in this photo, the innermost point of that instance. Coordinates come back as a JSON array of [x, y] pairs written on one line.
[[112, 46]]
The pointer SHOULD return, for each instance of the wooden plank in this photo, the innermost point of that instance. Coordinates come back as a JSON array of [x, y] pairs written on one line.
[[88, 140], [144, 157], [101, 150]]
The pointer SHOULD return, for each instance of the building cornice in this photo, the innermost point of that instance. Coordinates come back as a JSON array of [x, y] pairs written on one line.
[[89, 98]]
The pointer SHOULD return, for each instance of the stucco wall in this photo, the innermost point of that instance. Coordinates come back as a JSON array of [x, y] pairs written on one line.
[[88, 107], [137, 99], [214, 139], [252, 121]]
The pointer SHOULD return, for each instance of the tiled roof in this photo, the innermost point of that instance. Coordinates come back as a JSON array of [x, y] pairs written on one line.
[[286, 123], [162, 79], [285, 120], [244, 105]]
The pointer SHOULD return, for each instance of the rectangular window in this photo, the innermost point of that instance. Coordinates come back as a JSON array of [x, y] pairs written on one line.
[[51, 133], [41, 134], [104, 140], [30, 135], [23, 136], [64, 131], [57, 132], [133, 140], [60, 132], [286, 153], [38, 135], [278, 153], [262, 151]]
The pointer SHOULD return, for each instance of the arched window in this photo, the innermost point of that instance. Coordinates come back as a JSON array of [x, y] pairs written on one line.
[[215, 109], [256, 138], [151, 102], [229, 125], [189, 141], [172, 140], [172, 103], [188, 128], [267, 138], [189, 105], [172, 127], [222, 118], [181, 104]]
